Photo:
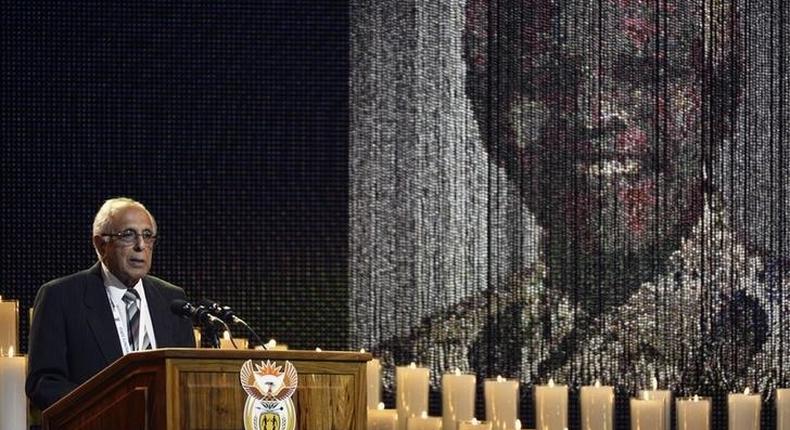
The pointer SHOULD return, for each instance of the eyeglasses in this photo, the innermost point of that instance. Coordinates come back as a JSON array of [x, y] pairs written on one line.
[[129, 237]]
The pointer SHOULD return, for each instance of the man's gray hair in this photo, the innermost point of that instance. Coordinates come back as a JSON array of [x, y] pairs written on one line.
[[110, 208]]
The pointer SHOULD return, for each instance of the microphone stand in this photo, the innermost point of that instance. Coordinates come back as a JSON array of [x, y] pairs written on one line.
[[211, 335], [225, 316]]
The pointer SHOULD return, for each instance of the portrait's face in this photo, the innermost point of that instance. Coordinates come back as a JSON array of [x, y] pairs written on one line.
[[602, 128], [129, 262]]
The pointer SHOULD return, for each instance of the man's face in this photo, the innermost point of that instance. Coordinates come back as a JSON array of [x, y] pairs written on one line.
[[607, 130], [128, 262]]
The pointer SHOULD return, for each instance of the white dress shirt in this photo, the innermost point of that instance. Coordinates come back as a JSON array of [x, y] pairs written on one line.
[[115, 291]]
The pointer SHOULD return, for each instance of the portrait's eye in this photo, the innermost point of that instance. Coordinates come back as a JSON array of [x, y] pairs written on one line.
[[147, 234], [128, 235]]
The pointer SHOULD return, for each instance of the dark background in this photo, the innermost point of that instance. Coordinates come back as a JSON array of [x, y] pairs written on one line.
[[228, 120]]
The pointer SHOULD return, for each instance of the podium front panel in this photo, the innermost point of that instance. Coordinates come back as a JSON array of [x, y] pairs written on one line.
[[207, 395], [196, 389]]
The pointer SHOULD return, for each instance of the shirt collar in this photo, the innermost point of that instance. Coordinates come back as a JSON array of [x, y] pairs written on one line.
[[114, 285]]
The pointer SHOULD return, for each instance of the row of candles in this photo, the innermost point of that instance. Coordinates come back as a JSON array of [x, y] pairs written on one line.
[[651, 410]]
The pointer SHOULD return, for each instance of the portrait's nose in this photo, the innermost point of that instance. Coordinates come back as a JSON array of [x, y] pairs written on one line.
[[614, 123], [139, 243]]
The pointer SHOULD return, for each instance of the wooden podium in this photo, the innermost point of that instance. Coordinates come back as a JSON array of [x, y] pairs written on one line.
[[199, 389]]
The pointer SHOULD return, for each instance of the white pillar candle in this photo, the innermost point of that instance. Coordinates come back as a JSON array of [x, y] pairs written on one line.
[[273, 345], [665, 396], [196, 332], [474, 424], [13, 403], [647, 414], [9, 324], [374, 382], [693, 413], [743, 411], [411, 392], [597, 404], [225, 342], [501, 397], [551, 406], [783, 409], [382, 419], [424, 422], [458, 398]]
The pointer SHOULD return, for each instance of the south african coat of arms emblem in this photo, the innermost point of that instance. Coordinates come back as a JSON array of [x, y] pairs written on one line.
[[269, 388]]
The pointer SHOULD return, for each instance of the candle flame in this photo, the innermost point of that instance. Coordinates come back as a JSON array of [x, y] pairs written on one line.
[[362, 350], [518, 424], [499, 378], [317, 349], [747, 391], [10, 351], [474, 422], [696, 398], [380, 406], [645, 395], [654, 383], [457, 371], [226, 335], [551, 382], [424, 414], [413, 365], [597, 383]]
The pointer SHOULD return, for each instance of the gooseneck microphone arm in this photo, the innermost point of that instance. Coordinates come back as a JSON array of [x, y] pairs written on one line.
[[249, 329]]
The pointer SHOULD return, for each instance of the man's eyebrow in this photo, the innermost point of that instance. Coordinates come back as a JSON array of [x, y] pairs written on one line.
[[134, 230]]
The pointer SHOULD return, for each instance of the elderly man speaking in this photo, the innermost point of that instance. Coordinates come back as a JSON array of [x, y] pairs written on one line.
[[85, 321]]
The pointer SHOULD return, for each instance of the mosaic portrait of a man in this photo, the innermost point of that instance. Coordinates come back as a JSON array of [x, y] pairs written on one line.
[[610, 119]]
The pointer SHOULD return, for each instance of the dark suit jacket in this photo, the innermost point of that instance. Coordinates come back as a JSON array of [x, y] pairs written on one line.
[[73, 334]]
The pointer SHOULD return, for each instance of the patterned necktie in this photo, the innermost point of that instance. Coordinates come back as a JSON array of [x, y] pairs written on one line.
[[133, 316]]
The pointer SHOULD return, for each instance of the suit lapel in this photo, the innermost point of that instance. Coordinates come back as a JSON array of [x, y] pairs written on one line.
[[158, 309], [99, 315]]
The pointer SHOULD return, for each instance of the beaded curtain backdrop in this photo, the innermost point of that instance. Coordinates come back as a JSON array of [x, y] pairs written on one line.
[[573, 189]]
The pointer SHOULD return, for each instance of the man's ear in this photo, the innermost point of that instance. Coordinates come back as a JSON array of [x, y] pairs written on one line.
[[99, 244]]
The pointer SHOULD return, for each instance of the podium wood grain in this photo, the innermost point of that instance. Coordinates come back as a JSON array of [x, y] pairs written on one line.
[[198, 389]]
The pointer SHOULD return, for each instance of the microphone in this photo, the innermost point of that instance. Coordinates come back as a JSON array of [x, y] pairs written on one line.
[[225, 313], [199, 315], [222, 312]]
